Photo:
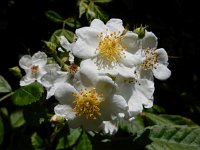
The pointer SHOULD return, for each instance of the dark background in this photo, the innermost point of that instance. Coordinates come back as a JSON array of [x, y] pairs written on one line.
[[23, 25]]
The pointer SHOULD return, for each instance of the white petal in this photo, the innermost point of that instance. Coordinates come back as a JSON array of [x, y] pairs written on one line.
[[99, 25], [86, 44], [26, 81], [131, 41], [130, 60], [161, 72], [105, 86], [110, 127], [126, 72], [25, 62], [149, 41], [64, 93], [115, 25], [39, 58], [162, 55], [87, 76], [64, 111], [65, 43], [113, 106]]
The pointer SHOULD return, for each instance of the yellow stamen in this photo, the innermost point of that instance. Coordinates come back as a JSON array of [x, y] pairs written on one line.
[[111, 49], [151, 59], [34, 69], [87, 103]]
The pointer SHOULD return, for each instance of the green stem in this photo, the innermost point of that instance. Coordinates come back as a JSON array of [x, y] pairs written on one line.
[[6, 96]]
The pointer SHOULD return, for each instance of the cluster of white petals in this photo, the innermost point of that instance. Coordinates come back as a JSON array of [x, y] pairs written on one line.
[[114, 79]]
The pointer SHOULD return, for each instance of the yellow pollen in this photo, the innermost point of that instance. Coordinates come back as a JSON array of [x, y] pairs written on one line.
[[151, 59], [87, 103], [111, 49], [34, 69]]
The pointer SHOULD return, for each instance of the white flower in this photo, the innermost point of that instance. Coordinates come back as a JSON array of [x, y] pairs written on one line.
[[33, 66], [68, 47], [110, 127], [90, 101], [53, 78], [107, 46], [154, 61], [138, 93]]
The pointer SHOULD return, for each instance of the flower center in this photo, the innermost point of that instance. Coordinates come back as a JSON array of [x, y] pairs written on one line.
[[34, 69], [110, 49], [87, 103], [151, 59]]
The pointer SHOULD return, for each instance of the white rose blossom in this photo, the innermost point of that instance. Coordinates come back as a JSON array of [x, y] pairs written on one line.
[[154, 61], [90, 101], [107, 46], [53, 78], [33, 66]]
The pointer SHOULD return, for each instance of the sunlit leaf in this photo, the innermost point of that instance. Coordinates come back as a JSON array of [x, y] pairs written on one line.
[[83, 143], [37, 141], [28, 94], [1, 130], [4, 86], [71, 22], [17, 119], [176, 137], [83, 4], [102, 1], [68, 34], [165, 119], [54, 16]]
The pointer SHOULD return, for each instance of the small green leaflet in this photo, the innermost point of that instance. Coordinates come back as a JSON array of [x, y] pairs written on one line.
[[28, 94], [4, 86]]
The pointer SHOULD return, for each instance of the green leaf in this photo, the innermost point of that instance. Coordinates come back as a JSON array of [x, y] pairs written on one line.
[[28, 94], [165, 119], [69, 140], [133, 126], [84, 143], [83, 4], [17, 119], [37, 141], [173, 137], [68, 34], [100, 13], [54, 16], [4, 86], [1, 130], [102, 1], [71, 22]]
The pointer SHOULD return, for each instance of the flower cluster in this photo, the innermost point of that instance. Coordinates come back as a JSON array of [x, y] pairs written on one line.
[[113, 79]]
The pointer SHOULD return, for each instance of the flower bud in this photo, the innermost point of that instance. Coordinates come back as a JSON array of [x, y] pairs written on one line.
[[57, 120], [140, 31], [16, 71]]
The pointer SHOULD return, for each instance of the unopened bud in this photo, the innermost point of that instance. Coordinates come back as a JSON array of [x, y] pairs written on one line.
[[140, 31], [16, 71]]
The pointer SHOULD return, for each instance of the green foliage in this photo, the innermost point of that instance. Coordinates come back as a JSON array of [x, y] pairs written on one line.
[[28, 94], [17, 119], [83, 143], [102, 1], [37, 141], [4, 86], [69, 140], [54, 16], [174, 137], [68, 34], [71, 22], [92, 10]]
